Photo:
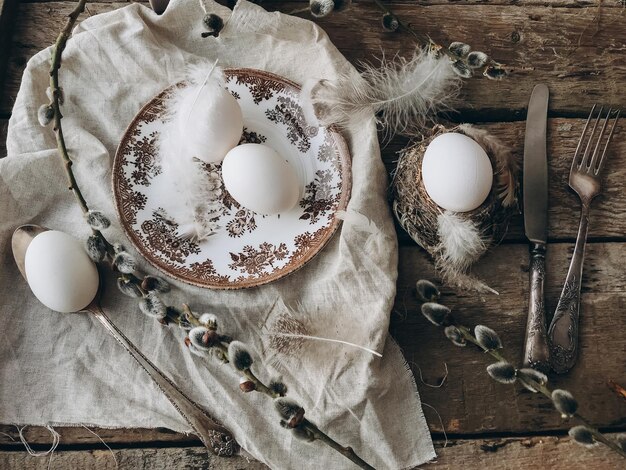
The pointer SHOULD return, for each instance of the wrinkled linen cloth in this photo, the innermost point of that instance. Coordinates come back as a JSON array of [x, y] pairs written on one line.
[[64, 369]]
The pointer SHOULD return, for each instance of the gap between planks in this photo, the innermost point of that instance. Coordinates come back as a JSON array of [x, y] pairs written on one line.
[[77, 438], [553, 453]]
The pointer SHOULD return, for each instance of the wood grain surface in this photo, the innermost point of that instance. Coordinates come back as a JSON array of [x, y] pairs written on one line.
[[8, 9], [501, 454], [461, 401], [577, 47]]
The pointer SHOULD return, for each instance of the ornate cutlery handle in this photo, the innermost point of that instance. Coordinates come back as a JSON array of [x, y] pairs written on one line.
[[563, 332], [213, 435], [536, 353]]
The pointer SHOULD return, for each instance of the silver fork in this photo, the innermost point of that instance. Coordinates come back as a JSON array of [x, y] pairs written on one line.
[[585, 180]]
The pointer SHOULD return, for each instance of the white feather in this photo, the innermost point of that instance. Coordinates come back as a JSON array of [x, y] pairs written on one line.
[[309, 87], [404, 94], [461, 245], [196, 189], [303, 332], [299, 336], [195, 192], [464, 281], [207, 118], [358, 221]]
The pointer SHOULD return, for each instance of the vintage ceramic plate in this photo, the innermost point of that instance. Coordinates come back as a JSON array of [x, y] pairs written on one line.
[[248, 249]]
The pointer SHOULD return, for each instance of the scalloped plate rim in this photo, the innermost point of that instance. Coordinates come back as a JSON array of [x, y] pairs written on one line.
[[346, 189]]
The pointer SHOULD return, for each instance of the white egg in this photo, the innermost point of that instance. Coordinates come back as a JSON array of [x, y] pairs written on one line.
[[59, 272], [260, 180], [456, 172], [210, 123]]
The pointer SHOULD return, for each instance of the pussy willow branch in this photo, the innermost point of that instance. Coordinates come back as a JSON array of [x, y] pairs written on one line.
[[347, 452], [541, 388], [55, 65], [419, 37], [260, 387], [423, 39]]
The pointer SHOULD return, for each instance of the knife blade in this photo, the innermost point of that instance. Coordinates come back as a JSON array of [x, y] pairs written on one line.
[[536, 167], [536, 352]]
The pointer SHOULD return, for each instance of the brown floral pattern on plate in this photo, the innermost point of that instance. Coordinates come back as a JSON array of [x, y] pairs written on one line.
[[129, 202], [243, 222], [319, 198], [248, 249], [206, 271], [251, 137], [328, 153], [254, 261], [161, 236], [305, 242], [146, 167], [287, 111], [260, 88]]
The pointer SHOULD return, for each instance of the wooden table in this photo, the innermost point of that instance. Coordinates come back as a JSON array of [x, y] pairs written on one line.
[[578, 48]]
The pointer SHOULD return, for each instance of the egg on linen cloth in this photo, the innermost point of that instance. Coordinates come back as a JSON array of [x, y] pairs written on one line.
[[209, 121], [260, 180], [59, 272], [456, 172]]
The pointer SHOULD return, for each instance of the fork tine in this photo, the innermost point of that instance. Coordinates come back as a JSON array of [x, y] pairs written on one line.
[[603, 158], [596, 151], [585, 160], [582, 139]]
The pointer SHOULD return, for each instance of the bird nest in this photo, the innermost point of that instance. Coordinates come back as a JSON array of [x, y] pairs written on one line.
[[456, 240]]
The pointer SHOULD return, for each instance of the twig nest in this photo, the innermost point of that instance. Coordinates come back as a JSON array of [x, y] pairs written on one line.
[[456, 240]]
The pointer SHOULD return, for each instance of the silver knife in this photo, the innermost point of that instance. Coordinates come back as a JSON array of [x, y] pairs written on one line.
[[536, 351]]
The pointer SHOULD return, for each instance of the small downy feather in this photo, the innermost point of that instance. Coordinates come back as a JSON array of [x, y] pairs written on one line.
[[309, 335], [464, 281], [404, 94], [507, 166], [197, 186], [358, 221], [288, 334], [461, 245], [311, 102], [461, 242]]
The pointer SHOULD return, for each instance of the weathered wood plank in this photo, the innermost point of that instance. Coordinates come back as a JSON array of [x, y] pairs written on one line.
[[607, 215], [577, 51], [71, 435], [546, 452], [462, 400], [4, 124], [191, 458], [36, 27], [8, 8]]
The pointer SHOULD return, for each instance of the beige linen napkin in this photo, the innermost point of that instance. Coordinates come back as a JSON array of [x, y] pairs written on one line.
[[64, 369]]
